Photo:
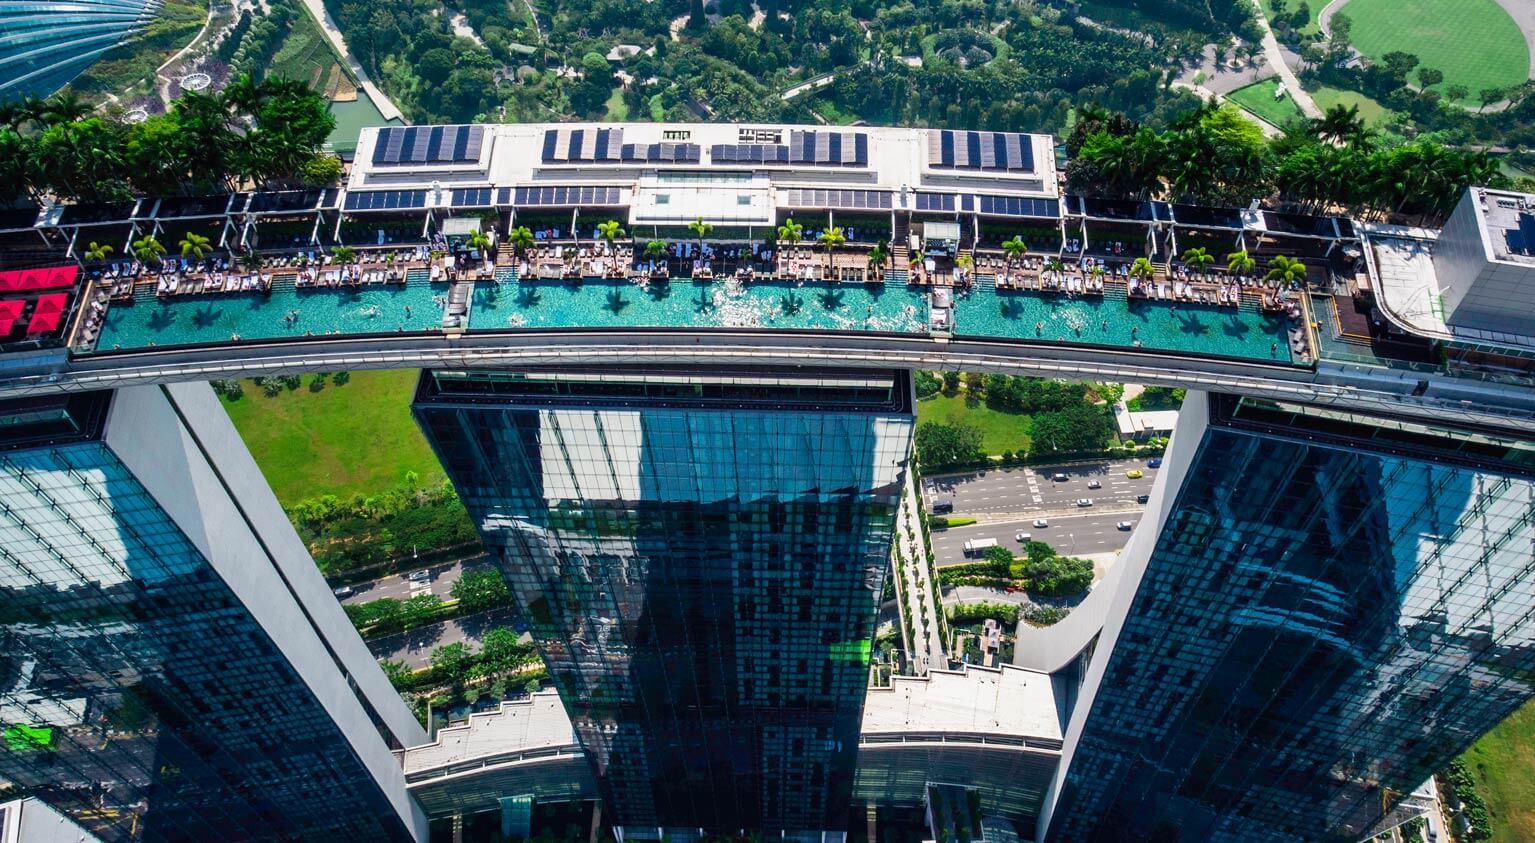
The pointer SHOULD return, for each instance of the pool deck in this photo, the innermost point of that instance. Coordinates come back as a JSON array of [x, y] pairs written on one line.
[[494, 299]]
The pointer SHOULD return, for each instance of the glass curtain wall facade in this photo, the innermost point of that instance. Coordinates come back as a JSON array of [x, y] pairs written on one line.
[[1335, 608], [699, 555], [138, 694]]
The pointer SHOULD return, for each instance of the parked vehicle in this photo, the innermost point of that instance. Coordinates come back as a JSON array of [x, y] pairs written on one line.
[[1142, 498], [942, 506], [1059, 478], [975, 547]]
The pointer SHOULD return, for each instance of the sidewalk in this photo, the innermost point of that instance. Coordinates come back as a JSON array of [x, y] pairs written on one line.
[[908, 529]]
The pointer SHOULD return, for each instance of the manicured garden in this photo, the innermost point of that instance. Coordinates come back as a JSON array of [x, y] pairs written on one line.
[[1000, 431], [1474, 42], [1258, 98], [352, 435], [1371, 112]]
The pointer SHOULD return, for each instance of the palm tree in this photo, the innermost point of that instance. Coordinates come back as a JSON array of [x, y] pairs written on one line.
[[1015, 248], [97, 251], [148, 249], [1143, 269], [64, 107], [1054, 266], [878, 255], [1340, 124], [609, 231], [1286, 270], [1240, 262], [964, 261], [1198, 259], [790, 232], [521, 238], [343, 254], [655, 249], [251, 261], [195, 246], [700, 230], [478, 240], [831, 238]]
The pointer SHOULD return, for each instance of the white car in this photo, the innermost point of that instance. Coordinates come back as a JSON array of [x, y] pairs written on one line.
[[1084, 501], [1125, 525], [1040, 523], [1024, 537], [420, 576], [1094, 484]]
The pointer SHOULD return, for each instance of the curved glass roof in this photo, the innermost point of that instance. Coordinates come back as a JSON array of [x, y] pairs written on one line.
[[43, 45]]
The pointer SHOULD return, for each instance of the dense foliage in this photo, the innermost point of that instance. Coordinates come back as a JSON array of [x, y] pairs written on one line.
[[968, 613], [945, 445], [1214, 156], [250, 132], [1459, 789], [346, 535], [479, 590]]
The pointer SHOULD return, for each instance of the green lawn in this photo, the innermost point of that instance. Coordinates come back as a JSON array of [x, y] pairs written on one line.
[[1258, 98], [1374, 113], [617, 108], [999, 431], [1474, 42], [356, 437], [1503, 762]]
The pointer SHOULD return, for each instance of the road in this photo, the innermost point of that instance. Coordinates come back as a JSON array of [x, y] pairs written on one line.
[[415, 647], [439, 582], [385, 105], [1007, 501], [1276, 60]]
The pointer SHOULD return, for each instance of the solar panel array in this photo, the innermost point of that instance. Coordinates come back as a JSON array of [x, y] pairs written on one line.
[[1017, 206], [401, 145], [562, 195], [665, 152], [576, 145], [964, 150], [935, 201], [879, 200], [834, 149], [472, 197], [385, 200], [749, 153]]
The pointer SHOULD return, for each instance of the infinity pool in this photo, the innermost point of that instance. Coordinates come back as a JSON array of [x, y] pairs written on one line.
[[681, 303], [1025, 314], [284, 312]]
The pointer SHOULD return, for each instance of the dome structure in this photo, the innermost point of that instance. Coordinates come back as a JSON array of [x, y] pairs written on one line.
[[45, 44]]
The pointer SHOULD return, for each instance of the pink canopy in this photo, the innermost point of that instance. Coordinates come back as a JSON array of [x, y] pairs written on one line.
[[46, 316], [44, 278], [9, 310]]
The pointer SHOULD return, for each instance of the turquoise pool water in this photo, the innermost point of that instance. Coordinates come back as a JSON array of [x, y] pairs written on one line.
[[1024, 314], [681, 303], [215, 317]]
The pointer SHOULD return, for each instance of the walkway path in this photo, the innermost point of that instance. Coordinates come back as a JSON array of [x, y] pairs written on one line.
[[928, 652], [1276, 60], [385, 105]]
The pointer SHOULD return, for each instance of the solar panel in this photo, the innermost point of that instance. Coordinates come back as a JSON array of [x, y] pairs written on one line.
[[555, 195], [471, 197], [856, 199], [986, 151], [935, 201], [829, 149], [1017, 206], [428, 144], [385, 200]]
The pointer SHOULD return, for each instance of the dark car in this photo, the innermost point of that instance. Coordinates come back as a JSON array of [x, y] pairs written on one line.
[[1154, 462], [1142, 498], [942, 505]]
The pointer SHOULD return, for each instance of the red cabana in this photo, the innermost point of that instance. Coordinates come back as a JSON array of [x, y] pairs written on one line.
[[45, 278], [9, 310], [46, 316]]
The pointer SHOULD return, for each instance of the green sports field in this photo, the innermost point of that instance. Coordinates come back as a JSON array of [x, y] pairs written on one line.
[[353, 438], [1473, 42], [1503, 763]]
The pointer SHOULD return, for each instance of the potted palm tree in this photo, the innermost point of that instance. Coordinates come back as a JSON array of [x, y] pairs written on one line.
[[343, 254], [1286, 270], [831, 238], [1054, 266], [655, 250], [478, 240], [1142, 269], [148, 250], [877, 257], [521, 239], [1198, 259], [609, 231], [1240, 263], [1015, 249], [195, 246], [97, 252]]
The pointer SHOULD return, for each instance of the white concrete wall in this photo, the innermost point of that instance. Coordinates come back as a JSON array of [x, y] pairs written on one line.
[[1193, 419], [181, 446]]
